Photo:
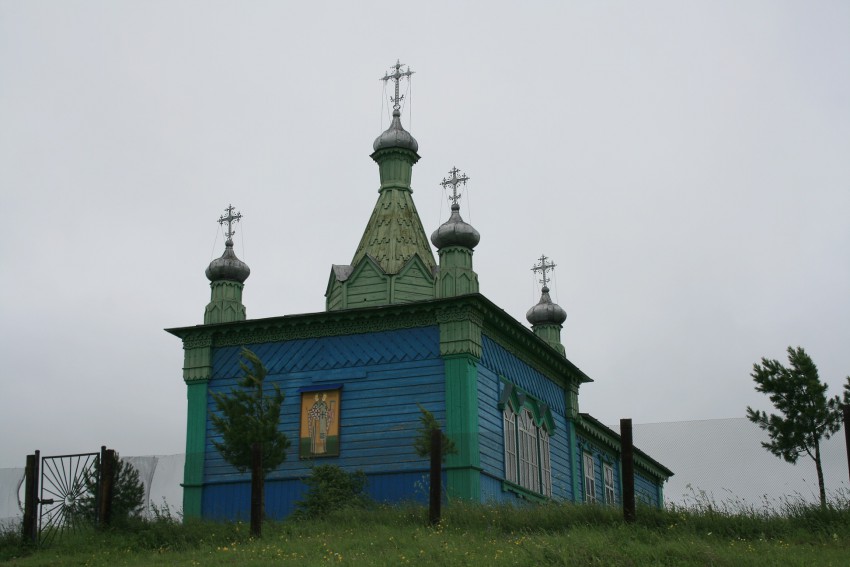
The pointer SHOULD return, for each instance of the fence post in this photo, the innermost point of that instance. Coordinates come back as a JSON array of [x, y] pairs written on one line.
[[436, 476], [257, 489], [846, 410], [30, 526], [628, 456], [106, 486]]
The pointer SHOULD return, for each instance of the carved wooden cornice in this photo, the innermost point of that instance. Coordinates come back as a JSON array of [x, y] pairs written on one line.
[[595, 430]]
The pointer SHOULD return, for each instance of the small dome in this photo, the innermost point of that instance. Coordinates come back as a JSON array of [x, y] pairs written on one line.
[[546, 312], [455, 232], [396, 136], [228, 267]]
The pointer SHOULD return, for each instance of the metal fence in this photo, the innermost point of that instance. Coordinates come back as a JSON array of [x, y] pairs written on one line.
[[722, 459], [161, 476], [717, 459]]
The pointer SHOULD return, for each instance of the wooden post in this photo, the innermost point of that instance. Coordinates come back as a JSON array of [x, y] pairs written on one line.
[[846, 411], [30, 526], [436, 476], [628, 480], [257, 489], [106, 486]]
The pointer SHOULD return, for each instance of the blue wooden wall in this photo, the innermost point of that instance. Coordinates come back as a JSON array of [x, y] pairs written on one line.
[[647, 491], [495, 362], [384, 375], [601, 455]]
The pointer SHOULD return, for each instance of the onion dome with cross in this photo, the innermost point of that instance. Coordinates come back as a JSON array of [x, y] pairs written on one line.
[[545, 312], [396, 136], [455, 231], [228, 267]]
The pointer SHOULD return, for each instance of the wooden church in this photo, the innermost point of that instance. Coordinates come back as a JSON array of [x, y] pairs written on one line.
[[400, 330]]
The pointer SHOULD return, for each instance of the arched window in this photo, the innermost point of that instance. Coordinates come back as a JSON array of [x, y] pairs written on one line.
[[527, 427], [529, 470]]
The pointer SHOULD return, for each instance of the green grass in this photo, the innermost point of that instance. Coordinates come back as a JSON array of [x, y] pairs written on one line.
[[556, 534]]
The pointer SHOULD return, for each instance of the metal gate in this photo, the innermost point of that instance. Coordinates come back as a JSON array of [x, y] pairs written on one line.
[[68, 494], [62, 494]]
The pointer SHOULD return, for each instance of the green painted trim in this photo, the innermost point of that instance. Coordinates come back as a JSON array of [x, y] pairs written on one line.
[[394, 232], [196, 438], [455, 275], [225, 303], [498, 325], [531, 349], [463, 470], [518, 398], [596, 430], [508, 486], [552, 335]]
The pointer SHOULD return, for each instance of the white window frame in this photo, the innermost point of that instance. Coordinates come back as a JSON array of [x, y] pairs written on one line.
[[509, 418], [589, 478], [527, 451], [529, 469], [608, 477]]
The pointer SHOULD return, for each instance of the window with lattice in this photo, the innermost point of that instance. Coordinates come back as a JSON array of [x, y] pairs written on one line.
[[589, 478], [527, 443], [610, 493]]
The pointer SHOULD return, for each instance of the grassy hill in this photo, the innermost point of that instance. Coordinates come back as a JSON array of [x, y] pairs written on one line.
[[704, 533]]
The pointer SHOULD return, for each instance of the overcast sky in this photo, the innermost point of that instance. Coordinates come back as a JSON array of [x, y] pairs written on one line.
[[685, 164]]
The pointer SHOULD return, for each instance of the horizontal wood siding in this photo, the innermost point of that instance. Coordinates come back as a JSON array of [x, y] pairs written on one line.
[[562, 476], [413, 284], [491, 426], [412, 486], [384, 376], [494, 357], [646, 491], [600, 455], [413, 287], [368, 287], [232, 500], [491, 439], [334, 300]]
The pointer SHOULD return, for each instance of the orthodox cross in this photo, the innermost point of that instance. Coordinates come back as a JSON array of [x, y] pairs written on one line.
[[454, 181], [543, 267], [230, 219], [397, 76]]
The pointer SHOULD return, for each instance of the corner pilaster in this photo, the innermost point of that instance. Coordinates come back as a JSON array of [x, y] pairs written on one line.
[[197, 370], [460, 348]]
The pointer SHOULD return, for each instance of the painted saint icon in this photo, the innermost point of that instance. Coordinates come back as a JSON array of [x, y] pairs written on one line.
[[319, 424]]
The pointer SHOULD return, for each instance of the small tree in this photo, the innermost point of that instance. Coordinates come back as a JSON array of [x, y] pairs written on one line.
[[805, 415], [422, 443], [128, 492], [247, 415], [330, 489]]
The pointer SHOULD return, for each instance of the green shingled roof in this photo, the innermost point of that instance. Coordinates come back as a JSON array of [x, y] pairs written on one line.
[[394, 233]]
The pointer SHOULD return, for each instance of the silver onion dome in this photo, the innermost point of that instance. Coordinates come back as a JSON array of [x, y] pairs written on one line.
[[455, 232], [396, 136], [546, 312], [228, 267]]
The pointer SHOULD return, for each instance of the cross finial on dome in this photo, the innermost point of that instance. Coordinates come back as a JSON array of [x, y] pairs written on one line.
[[543, 267], [454, 180], [230, 219], [396, 76]]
